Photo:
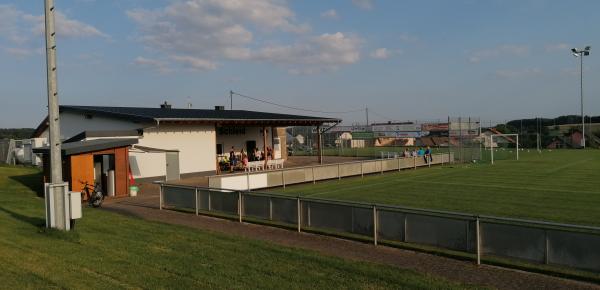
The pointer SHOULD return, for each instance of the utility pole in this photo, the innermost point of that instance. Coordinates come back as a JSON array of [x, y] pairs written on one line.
[[58, 201], [367, 112], [231, 100]]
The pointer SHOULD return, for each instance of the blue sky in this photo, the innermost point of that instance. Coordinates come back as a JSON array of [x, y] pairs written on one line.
[[405, 60]]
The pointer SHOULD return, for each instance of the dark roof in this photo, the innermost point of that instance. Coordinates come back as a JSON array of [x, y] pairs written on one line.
[[89, 146], [107, 133], [139, 114]]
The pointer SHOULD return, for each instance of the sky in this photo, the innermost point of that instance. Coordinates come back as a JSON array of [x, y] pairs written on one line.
[[404, 60]]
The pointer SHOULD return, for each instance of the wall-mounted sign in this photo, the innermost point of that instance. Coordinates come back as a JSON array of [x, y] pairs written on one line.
[[231, 130]]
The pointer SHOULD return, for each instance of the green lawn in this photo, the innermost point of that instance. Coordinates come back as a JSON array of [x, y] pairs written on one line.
[[559, 185], [112, 251]]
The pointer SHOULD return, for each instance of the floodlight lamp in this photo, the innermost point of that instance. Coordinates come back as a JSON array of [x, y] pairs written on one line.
[[574, 50], [586, 53], [588, 48], [576, 54]]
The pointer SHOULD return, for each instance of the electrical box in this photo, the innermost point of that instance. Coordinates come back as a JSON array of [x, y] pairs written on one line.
[[75, 205]]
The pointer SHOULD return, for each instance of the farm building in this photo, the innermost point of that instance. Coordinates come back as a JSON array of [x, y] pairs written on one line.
[[174, 142]]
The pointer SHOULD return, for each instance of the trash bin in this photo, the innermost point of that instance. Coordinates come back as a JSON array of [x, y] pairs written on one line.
[[133, 190]]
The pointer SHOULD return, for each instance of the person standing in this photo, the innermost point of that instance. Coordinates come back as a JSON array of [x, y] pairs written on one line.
[[427, 154], [232, 159]]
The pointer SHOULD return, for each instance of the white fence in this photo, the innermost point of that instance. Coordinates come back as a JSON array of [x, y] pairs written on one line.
[[288, 176]]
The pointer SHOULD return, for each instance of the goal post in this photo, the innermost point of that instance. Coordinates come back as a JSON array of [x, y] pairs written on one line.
[[505, 136]]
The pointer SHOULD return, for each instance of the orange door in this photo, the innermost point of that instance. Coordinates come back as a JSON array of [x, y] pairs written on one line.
[[82, 170]]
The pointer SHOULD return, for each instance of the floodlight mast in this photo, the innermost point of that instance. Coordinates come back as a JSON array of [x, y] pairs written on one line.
[[581, 53]]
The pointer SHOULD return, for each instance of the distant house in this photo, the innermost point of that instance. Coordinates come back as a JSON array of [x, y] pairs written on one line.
[[176, 142], [492, 131]]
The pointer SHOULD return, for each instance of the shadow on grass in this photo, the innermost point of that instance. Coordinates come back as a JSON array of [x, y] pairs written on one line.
[[35, 221], [35, 182]]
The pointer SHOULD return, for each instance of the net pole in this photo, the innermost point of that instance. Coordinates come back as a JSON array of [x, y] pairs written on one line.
[[517, 147], [492, 147]]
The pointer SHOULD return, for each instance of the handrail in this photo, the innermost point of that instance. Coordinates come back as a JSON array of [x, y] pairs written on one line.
[[319, 165]]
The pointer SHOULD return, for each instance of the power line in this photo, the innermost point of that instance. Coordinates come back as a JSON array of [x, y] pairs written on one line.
[[382, 116], [295, 108]]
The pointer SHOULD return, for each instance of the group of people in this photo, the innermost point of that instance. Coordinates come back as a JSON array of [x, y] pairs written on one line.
[[425, 153], [234, 159]]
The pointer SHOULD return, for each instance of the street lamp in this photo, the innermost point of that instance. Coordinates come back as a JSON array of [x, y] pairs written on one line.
[[581, 53]]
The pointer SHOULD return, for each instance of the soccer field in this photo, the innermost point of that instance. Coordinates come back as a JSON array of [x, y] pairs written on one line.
[[559, 186]]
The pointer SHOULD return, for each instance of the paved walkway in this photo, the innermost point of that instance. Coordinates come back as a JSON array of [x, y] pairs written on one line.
[[146, 207]]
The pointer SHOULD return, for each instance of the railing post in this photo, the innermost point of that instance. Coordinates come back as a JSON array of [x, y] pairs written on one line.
[[399, 158], [270, 208], [362, 174], [546, 247], [313, 175], [415, 162], [339, 175], [478, 240], [404, 239], [283, 179], [209, 201], [196, 197], [240, 205], [375, 222], [248, 180], [381, 166], [160, 207], [299, 210]]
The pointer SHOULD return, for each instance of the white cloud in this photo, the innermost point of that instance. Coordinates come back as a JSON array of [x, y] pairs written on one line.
[[22, 31], [195, 63], [517, 73], [158, 65], [363, 4], [330, 14], [557, 47], [380, 53], [198, 34], [502, 50], [65, 27]]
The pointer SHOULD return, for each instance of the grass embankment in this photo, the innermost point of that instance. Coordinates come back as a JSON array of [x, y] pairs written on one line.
[[111, 251], [559, 185]]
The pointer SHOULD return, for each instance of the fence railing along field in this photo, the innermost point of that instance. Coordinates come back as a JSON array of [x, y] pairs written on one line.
[[540, 242], [295, 175]]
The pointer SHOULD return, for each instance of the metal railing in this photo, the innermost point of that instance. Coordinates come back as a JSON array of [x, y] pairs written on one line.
[[282, 177], [540, 242]]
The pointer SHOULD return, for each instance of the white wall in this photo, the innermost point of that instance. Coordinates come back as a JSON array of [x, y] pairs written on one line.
[[147, 164], [72, 124], [196, 145]]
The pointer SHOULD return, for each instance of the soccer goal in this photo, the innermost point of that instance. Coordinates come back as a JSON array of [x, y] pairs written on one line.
[[496, 142]]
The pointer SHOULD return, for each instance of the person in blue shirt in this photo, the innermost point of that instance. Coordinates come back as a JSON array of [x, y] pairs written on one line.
[[427, 155], [421, 152]]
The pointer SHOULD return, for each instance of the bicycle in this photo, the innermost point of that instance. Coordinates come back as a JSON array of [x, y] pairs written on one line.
[[94, 194]]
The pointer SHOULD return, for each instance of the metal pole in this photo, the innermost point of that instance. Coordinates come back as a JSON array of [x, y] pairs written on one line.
[[53, 116], [375, 225], [367, 112], [478, 241], [196, 197], [160, 202], [581, 90], [517, 147], [299, 210], [240, 205], [492, 147], [231, 100]]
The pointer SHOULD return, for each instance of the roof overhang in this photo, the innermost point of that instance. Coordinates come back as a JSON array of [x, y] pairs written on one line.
[[80, 147]]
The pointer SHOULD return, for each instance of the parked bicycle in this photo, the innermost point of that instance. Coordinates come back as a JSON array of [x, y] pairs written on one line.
[[94, 194]]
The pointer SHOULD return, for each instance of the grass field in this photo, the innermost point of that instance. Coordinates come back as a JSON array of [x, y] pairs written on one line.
[[560, 186], [111, 251]]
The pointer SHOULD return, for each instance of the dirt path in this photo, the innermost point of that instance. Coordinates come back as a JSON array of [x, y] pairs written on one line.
[[146, 207]]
